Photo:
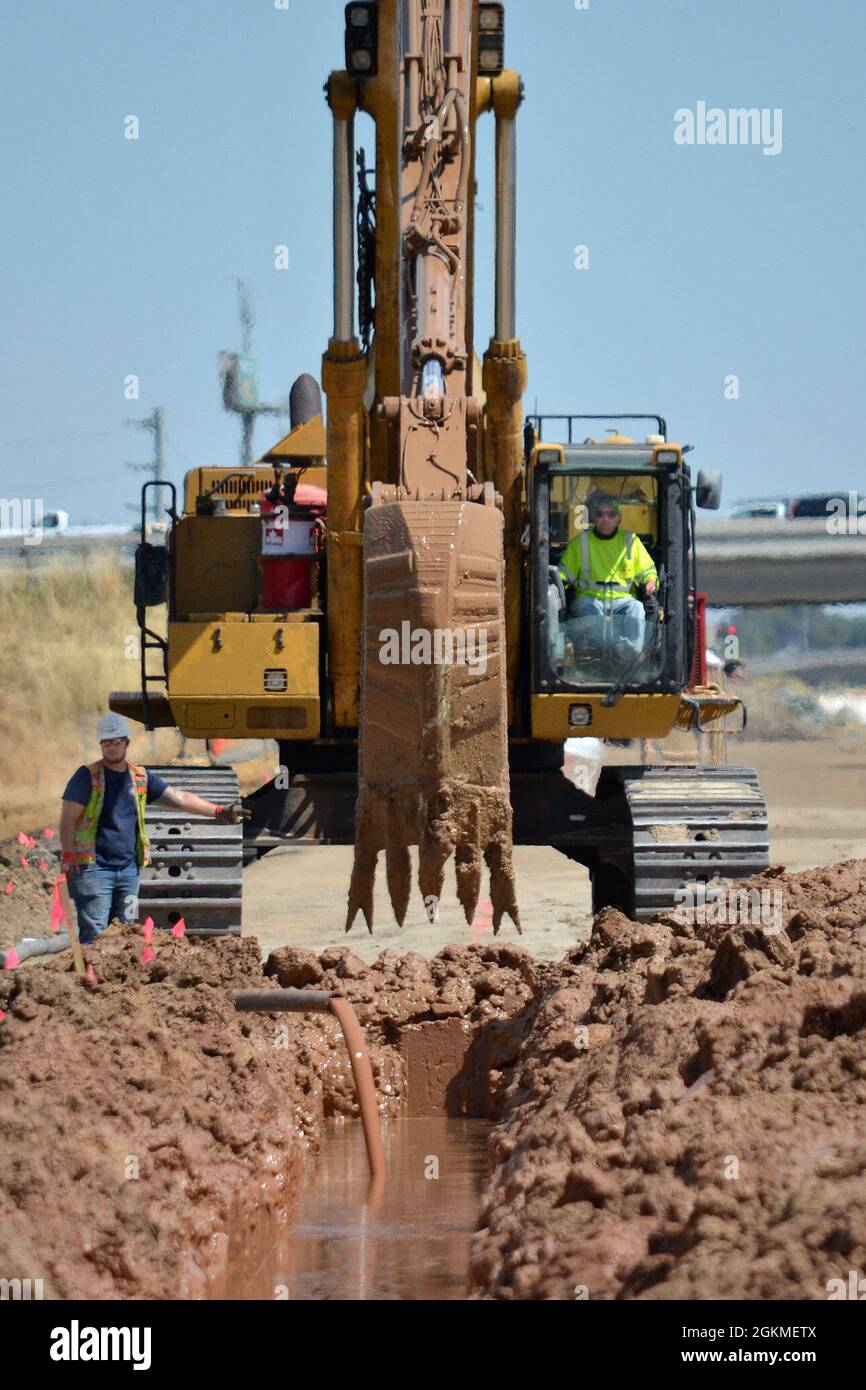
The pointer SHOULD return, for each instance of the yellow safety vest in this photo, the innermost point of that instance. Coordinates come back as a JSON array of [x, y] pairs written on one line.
[[84, 846], [610, 568]]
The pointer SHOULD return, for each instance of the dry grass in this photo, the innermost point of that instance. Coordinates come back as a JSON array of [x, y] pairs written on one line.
[[784, 708], [67, 638]]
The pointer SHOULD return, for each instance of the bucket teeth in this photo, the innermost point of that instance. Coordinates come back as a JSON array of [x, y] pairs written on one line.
[[363, 871], [399, 869], [442, 823], [503, 891], [361, 892], [431, 875], [468, 870]]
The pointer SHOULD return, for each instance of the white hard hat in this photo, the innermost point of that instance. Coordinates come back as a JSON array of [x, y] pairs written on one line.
[[112, 726]]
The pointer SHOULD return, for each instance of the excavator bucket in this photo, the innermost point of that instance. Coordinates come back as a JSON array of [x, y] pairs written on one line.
[[434, 737]]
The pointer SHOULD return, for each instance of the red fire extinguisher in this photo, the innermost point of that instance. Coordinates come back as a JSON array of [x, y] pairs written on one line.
[[291, 512]]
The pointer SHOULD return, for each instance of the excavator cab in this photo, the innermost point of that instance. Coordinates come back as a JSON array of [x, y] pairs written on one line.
[[601, 630], [593, 632]]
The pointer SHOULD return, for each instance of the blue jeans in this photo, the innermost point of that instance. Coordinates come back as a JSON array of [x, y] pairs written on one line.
[[100, 895], [627, 617]]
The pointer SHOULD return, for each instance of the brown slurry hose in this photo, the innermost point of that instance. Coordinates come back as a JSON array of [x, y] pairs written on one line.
[[364, 1085], [319, 1001]]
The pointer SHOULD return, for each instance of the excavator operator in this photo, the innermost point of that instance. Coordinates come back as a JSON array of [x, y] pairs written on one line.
[[609, 575]]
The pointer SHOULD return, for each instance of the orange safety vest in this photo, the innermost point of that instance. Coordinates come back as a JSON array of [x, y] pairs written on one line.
[[84, 846]]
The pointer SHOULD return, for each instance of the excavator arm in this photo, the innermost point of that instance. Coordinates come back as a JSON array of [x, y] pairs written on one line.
[[419, 594]]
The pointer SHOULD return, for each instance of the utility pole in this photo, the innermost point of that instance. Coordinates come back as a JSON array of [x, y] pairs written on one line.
[[155, 423], [240, 386], [248, 323]]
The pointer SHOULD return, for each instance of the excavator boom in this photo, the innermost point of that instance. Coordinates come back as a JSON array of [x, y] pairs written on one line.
[[433, 722]]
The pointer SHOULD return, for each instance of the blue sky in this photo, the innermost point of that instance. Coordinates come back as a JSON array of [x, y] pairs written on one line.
[[119, 257]]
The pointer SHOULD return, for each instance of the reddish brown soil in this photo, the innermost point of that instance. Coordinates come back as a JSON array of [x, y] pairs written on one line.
[[154, 1073], [152, 1136], [682, 1107], [705, 1136], [26, 909]]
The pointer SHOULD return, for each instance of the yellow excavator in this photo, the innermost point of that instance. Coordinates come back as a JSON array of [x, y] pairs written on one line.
[[383, 594]]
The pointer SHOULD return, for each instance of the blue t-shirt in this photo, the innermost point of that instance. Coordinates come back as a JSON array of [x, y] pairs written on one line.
[[116, 832]]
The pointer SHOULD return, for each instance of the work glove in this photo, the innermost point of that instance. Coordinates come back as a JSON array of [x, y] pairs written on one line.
[[233, 815]]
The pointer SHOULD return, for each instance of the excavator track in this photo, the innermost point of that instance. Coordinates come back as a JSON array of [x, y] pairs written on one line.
[[197, 863], [693, 825]]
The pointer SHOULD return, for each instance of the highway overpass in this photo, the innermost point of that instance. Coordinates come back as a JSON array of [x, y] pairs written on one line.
[[740, 563], [759, 562]]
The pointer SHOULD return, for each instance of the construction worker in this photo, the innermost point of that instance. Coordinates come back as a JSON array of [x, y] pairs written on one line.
[[611, 576], [102, 829]]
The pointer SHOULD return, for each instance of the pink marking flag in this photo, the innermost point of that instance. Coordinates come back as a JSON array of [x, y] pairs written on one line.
[[9, 889], [48, 834], [42, 865], [11, 959], [147, 955], [23, 862], [22, 838], [483, 917], [179, 929], [148, 930], [58, 912]]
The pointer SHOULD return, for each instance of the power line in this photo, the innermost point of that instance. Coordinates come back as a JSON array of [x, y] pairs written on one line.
[[176, 449]]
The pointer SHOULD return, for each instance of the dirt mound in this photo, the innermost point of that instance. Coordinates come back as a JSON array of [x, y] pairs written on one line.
[[477, 982], [686, 1119]]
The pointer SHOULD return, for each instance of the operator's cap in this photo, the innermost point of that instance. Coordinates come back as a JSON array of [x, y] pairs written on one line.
[[112, 726], [604, 499]]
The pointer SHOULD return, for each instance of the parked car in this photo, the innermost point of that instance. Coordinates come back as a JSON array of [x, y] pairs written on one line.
[[759, 507], [812, 507], [822, 505]]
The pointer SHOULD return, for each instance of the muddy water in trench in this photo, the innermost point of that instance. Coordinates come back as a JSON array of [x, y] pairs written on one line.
[[414, 1246]]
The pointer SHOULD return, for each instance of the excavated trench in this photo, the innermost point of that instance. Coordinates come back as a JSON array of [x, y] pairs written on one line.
[[411, 1243], [343, 1237]]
